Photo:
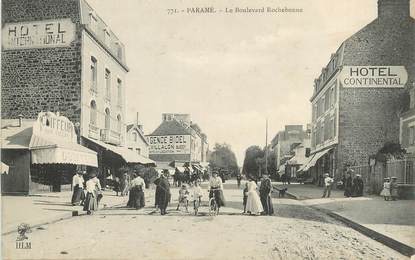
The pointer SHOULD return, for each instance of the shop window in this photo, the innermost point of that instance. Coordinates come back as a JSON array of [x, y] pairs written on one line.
[[119, 123], [107, 119], [108, 84], [93, 73], [93, 113]]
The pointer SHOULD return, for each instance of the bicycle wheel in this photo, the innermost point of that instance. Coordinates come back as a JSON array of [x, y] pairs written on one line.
[[212, 207]]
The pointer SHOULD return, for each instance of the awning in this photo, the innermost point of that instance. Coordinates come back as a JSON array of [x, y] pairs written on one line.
[[47, 151], [180, 169], [14, 137], [126, 154], [4, 168], [315, 158]]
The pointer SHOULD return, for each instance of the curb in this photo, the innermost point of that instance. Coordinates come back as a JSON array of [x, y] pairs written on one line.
[[79, 213], [385, 240]]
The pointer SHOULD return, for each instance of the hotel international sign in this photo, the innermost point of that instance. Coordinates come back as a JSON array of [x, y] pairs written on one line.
[[38, 34], [373, 76]]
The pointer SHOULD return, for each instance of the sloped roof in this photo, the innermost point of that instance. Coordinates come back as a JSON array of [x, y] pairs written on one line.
[[171, 128]]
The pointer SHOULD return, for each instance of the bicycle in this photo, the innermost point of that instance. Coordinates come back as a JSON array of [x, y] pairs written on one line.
[[213, 205]]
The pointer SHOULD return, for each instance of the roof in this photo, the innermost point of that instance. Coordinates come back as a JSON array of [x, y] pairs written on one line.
[[140, 132], [16, 137], [171, 128]]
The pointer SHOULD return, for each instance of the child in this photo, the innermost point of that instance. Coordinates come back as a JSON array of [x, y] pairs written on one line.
[[386, 189], [245, 194], [183, 197], [197, 194]]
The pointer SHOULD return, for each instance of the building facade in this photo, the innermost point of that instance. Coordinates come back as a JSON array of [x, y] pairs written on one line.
[[362, 91], [282, 142], [61, 56], [177, 139], [136, 140]]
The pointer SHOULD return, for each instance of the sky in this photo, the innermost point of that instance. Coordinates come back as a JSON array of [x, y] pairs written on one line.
[[229, 71]]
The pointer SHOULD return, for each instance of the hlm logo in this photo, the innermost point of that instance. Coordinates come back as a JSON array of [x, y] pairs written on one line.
[[22, 240]]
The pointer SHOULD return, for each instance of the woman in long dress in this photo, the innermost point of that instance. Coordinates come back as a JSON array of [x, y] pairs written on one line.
[[93, 186], [253, 203]]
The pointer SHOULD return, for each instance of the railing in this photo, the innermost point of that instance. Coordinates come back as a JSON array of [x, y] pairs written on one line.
[[94, 132], [110, 136]]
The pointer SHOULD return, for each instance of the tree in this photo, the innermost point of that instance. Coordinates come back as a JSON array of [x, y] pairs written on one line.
[[223, 157], [254, 162]]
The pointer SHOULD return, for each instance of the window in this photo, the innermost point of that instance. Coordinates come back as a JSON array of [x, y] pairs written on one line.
[[107, 118], [327, 100], [93, 113], [333, 96], [138, 150], [119, 90], [93, 22], [119, 123], [108, 84], [334, 123], [107, 36], [327, 129], [93, 73], [412, 97], [411, 135], [135, 136], [322, 133], [317, 134]]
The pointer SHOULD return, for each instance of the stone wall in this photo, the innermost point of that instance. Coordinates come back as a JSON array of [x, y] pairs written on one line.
[[41, 79]]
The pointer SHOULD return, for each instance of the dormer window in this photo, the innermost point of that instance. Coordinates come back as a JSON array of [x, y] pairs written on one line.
[[107, 36], [93, 21]]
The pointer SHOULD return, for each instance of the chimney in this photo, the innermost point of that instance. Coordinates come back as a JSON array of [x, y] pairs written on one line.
[[136, 119], [393, 9]]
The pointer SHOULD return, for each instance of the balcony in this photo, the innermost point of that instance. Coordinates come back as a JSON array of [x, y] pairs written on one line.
[[93, 132], [110, 137]]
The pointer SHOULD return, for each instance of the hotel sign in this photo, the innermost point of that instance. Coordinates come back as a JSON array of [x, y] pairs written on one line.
[[169, 144], [373, 76], [38, 34], [53, 126]]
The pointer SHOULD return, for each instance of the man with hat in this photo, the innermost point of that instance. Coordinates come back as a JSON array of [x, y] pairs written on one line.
[[328, 181], [265, 190], [163, 194]]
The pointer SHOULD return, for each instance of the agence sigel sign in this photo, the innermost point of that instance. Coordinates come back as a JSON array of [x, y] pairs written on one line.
[[38, 34], [373, 76], [169, 144]]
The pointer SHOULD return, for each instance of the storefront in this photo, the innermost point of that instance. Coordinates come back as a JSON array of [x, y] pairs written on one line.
[[111, 159], [42, 154]]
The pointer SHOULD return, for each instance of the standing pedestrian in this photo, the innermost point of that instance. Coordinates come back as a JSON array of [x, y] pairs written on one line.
[[265, 190], [394, 188], [137, 193], [78, 195], [328, 181], [238, 179], [93, 186], [245, 196], [125, 184], [253, 203], [163, 194], [357, 186], [348, 184], [386, 191]]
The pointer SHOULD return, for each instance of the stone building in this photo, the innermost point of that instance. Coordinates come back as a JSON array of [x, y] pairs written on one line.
[[61, 56], [136, 140], [177, 139], [362, 91], [407, 125]]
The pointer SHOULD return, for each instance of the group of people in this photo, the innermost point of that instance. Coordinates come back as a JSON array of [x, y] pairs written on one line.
[[353, 187], [390, 188], [255, 204], [87, 194]]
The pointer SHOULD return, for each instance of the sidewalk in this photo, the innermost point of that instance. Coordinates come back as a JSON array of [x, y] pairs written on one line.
[[42, 209], [393, 219]]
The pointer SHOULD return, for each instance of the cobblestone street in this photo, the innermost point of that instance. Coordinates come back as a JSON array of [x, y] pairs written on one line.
[[295, 232]]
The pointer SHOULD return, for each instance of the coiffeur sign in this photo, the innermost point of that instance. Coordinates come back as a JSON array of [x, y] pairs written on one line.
[[373, 76], [38, 34], [53, 126], [169, 144]]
